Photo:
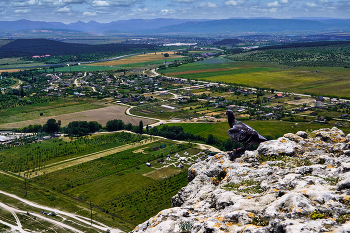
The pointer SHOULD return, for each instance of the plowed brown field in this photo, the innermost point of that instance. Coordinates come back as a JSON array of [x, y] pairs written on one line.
[[101, 115]]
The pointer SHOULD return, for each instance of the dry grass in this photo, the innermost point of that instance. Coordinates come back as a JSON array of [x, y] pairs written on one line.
[[101, 115], [10, 70], [142, 150], [86, 158], [163, 173], [301, 101], [137, 59]]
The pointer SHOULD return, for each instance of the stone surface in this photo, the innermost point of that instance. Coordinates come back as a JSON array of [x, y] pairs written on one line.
[[297, 183]]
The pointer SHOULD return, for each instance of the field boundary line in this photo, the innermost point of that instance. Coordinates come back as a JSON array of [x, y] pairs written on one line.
[[85, 158], [10, 174]]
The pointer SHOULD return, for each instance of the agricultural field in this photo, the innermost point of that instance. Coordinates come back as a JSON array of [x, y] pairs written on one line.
[[327, 81], [271, 129], [99, 113], [336, 54], [148, 57], [121, 176], [55, 107], [94, 166], [8, 63], [155, 110]]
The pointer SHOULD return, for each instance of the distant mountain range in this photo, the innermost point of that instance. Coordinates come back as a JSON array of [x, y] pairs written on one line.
[[185, 26]]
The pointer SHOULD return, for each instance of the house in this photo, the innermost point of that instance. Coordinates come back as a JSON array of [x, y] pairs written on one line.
[[278, 95], [319, 98]]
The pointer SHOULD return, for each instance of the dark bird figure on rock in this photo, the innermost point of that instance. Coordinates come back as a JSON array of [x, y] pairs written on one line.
[[242, 133]]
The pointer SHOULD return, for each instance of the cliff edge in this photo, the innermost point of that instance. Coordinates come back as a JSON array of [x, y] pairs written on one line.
[[297, 183]]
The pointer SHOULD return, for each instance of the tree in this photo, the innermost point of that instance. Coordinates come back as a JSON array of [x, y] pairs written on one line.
[[51, 126], [22, 92], [211, 140], [81, 128], [166, 54], [140, 127], [114, 125]]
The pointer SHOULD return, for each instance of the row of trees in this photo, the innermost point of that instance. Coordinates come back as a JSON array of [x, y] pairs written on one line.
[[74, 128], [80, 128], [114, 125]]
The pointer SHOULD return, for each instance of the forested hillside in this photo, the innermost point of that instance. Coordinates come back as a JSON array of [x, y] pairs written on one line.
[[32, 47], [327, 53]]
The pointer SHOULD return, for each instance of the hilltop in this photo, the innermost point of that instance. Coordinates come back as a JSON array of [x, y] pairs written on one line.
[[297, 183], [32, 47], [176, 26]]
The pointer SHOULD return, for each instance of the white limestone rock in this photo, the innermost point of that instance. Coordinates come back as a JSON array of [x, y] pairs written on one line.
[[282, 146], [303, 186]]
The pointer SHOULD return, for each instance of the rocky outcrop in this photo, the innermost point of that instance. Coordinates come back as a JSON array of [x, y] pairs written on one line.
[[298, 183]]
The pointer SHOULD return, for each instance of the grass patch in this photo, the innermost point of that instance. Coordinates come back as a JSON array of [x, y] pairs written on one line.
[[148, 57], [343, 218], [331, 180], [286, 161], [38, 155], [39, 195], [272, 128], [110, 187], [330, 81], [163, 173], [53, 108], [150, 199], [246, 186], [260, 221]]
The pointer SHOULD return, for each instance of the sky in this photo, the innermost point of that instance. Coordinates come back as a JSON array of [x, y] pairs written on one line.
[[68, 11]]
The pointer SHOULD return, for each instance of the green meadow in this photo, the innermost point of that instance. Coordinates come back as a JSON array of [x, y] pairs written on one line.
[[327, 81], [272, 129], [112, 183], [91, 67], [52, 108]]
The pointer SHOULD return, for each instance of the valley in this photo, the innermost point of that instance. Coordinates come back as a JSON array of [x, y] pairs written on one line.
[[152, 114]]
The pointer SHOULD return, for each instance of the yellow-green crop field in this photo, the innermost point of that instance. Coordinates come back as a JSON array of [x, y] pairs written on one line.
[[328, 81]]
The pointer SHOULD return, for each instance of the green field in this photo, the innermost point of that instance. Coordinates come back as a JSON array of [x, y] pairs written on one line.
[[327, 81], [53, 108], [272, 129], [108, 180], [9, 63], [113, 183], [91, 67], [44, 196], [202, 65]]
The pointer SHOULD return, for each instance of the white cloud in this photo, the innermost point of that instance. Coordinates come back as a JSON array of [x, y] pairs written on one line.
[[208, 4], [140, 9], [88, 13], [311, 4], [22, 11], [64, 10], [26, 3], [166, 11], [272, 4], [183, 1], [74, 1], [123, 2], [100, 3], [284, 1], [231, 3]]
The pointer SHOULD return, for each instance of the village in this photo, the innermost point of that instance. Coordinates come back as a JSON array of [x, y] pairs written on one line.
[[151, 94]]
